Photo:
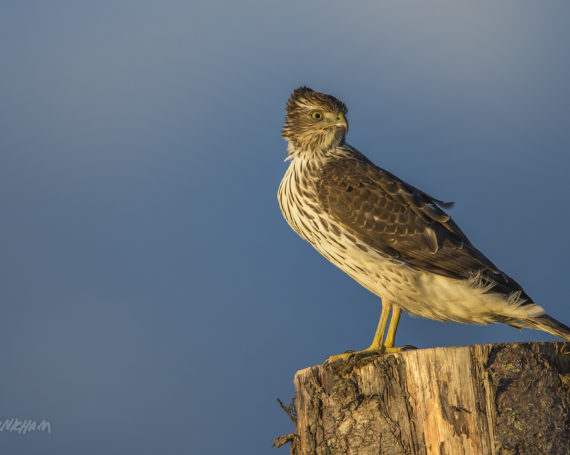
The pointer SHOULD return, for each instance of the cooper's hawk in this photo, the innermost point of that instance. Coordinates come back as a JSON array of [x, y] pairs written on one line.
[[392, 238]]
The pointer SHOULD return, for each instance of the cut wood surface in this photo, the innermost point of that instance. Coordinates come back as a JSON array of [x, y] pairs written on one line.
[[502, 399]]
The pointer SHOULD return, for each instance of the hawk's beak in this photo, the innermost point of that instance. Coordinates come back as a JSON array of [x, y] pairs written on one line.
[[342, 124], [333, 121]]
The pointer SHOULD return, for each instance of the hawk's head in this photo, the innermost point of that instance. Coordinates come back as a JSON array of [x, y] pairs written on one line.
[[314, 120]]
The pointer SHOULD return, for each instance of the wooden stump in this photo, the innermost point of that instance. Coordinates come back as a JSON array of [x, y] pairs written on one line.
[[491, 399]]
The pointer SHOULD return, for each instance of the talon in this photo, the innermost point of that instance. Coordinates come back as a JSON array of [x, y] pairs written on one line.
[[337, 357]]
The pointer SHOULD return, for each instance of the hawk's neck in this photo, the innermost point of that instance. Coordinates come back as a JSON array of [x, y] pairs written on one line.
[[318, 155]]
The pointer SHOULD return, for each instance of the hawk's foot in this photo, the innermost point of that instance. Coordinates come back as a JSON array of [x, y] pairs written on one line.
[[366, 352], [349, 355]]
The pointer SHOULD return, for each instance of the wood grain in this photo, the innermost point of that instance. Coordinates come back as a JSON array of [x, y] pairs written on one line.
[[501, 399]]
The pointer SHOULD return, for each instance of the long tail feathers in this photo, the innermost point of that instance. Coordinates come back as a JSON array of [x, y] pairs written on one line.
[[550, 325]]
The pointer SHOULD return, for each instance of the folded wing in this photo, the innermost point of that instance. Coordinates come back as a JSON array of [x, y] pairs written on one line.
[[402, 222]]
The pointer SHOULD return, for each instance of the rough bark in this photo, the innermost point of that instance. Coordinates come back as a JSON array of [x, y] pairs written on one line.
[[502, 399]]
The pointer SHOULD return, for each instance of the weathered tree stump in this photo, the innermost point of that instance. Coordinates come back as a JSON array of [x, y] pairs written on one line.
[[486, 399]]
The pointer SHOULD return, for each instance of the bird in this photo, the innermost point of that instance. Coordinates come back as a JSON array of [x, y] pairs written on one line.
[[390, 237]]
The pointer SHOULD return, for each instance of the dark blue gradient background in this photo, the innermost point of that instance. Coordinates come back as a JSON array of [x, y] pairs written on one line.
[[153, 298]]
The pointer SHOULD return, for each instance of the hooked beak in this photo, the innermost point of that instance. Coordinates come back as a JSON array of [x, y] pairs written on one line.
[[333, 121]]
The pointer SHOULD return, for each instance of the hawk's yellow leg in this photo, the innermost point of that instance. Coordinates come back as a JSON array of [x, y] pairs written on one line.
[[377, 346], [391, 337], [379, 335]]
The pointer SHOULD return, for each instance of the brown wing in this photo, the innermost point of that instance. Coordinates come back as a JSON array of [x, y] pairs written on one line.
[[403, 222]]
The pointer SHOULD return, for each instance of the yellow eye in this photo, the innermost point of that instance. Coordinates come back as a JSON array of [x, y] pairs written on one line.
[[317, 115], [339, 116]]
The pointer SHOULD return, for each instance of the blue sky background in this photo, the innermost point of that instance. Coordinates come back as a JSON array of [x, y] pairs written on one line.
[[153, 298]]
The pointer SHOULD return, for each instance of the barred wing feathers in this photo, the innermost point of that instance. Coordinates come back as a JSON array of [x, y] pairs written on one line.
[[402, 222]]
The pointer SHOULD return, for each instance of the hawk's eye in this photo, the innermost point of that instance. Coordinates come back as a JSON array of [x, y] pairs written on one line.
[[317, 115], [339, 116]]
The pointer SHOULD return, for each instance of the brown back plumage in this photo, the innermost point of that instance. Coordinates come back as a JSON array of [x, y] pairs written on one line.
[[403, 222]]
